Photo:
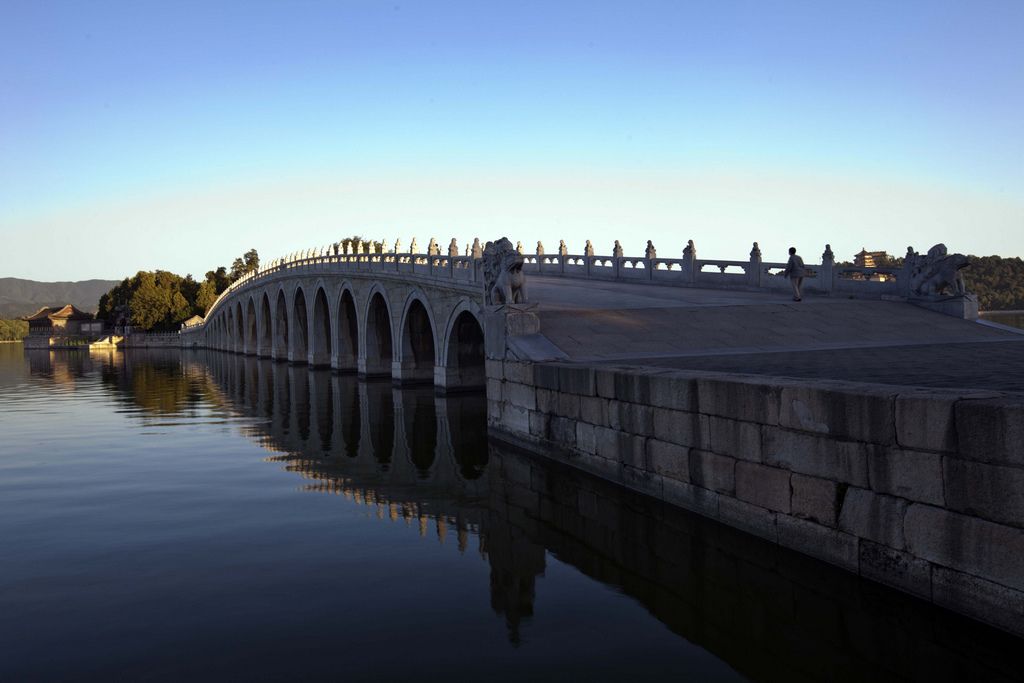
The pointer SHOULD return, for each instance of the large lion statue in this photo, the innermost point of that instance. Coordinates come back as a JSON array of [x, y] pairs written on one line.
[[938, 271], [504, 281]]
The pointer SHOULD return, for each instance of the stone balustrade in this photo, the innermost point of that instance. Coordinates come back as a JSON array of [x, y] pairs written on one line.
[[689, 271]]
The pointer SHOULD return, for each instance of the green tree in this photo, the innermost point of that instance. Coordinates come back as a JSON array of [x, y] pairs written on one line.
[[150, 304], [205, 297], [13, 330]]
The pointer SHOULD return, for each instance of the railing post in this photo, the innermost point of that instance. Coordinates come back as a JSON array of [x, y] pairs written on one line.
[[754, 271], [690, 263], [827, 271]]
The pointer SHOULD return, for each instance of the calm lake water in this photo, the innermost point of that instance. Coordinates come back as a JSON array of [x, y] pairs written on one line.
[[1012, 318], [169, 516]]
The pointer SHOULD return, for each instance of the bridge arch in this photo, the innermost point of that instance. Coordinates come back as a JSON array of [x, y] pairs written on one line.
[[239, 332], [281, 336], [250, 326], [463, 350], [346, 349], [377, 335], [320, 332], [298, 352], [416, 356], [266, 335]]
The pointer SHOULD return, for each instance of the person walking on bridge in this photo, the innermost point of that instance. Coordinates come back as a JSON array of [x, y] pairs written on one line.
[[795, 272]]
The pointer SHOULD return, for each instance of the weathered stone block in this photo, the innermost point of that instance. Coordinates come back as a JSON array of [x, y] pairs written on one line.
[[830, 545], [744, 516], [858, 413], [515, 371], [843, 461], [598, 466], [586, 438], [521, 395], [604, 379], [631, 384], [640, 480], [684, 429], [985, 549], [515, 418], [734, 438], [669, 459], [979, 489], [991, 430], [493, 369], [545, 376], [621, 447], [766, 487], [926, 420], [539, 424], [594, 409], [547, 400], [712, 471], [699, 500], [986, 601], [494, 389], [631, 417], [914, 475], [895, 568], [577, 379], [815, 499], [676, 390], [562, 431], [493, 410], [567, 405], [869, 515], [633, 451], [739, 398]]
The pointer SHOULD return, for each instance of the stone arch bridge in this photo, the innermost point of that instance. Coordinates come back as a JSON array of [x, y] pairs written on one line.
[[415, 318]]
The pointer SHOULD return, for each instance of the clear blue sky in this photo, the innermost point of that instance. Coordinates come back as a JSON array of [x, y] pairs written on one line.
[[179, 134]]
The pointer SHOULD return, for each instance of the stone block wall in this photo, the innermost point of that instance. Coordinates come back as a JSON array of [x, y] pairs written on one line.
[[918, 489]]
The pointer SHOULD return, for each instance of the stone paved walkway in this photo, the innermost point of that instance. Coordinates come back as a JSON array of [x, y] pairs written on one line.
[[992, 366], [888, 342]]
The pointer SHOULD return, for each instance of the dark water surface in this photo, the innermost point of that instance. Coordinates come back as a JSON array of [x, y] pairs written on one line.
[[169, 516], [1011, 318]]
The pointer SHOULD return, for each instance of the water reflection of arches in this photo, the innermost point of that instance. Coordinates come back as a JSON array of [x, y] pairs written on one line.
[[759, 607], [401, 437]]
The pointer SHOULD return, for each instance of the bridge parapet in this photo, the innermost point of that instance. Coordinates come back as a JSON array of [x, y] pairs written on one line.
[[445, 269]]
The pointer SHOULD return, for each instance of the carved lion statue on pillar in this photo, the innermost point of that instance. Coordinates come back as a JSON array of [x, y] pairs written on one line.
[[938, 271], [504, 281]]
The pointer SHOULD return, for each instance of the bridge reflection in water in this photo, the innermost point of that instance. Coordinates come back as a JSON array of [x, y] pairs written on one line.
[[410, 456]]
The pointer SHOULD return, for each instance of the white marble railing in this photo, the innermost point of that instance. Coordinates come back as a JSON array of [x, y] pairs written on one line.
[[457, 269], [686, 271]]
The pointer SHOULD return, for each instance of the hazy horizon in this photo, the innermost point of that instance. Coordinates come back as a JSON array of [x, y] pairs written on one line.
[[137, 136]]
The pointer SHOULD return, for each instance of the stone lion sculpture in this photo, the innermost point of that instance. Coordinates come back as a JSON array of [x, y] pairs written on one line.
[[504, 281], [937, 271]]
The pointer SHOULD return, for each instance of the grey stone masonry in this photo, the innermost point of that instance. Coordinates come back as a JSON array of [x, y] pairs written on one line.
[[922, 490]]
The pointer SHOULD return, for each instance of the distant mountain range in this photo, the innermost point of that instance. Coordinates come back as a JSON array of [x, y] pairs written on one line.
[[23, 297]]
